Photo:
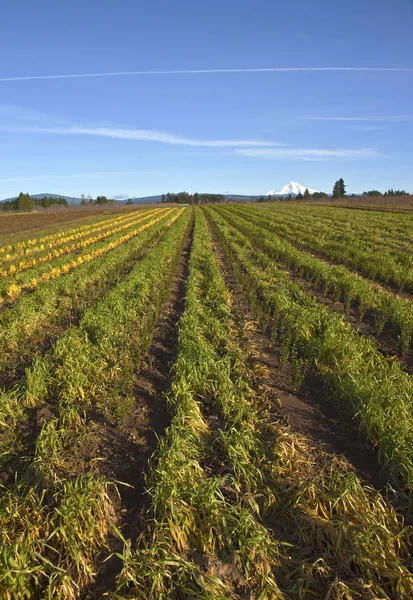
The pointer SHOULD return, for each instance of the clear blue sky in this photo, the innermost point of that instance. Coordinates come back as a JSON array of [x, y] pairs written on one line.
[[242, 132]]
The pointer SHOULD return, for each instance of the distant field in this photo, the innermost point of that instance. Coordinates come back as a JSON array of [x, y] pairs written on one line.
[[25, 223], [206, 403], [387, 203]]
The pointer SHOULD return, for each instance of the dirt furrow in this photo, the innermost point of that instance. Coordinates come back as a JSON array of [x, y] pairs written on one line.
[[124, 453]]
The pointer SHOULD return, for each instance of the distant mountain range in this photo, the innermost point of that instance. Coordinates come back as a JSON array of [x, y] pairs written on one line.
[[70, 199], [291, 189], [73, 201]]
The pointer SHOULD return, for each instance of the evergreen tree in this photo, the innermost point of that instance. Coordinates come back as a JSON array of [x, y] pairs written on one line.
[[24, 202], [306, 194], [339, 189]]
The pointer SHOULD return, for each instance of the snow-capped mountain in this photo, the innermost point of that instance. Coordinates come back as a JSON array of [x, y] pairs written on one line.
[[292, 188]]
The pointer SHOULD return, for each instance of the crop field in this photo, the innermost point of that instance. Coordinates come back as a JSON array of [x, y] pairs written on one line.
[[210, 403]]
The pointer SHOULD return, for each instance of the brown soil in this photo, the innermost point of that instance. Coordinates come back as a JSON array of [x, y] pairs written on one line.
[[309, 411]]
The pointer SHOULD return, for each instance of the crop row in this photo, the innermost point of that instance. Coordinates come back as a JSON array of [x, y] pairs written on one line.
[[44, 242], [240, 505], [48, 245], [29, 325], [55, 251], [29, 393], [56, 516], [335, 281], [317, 341], [224, 479], [364, 229], [30, 280], [394, 269], [191, 511]]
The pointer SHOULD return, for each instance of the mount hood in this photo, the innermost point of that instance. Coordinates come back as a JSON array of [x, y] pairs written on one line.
[[292, 188]]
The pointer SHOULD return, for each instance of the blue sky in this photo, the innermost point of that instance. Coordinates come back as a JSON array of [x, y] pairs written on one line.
[[231, 129]]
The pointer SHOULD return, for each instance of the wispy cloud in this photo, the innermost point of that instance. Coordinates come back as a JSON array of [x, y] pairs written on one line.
[[313, 154], [375, 119], [367, 128], [147, 135], [208, 71], [32, 123]]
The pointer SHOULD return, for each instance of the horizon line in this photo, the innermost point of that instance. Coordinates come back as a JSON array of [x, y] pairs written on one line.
[[209, 71]]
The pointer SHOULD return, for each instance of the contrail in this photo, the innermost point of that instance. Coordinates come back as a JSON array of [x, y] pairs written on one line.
[[208, 71]]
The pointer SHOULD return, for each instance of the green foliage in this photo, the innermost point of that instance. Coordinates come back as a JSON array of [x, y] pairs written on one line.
[[103, 200], [335, 281], [54, 525], [25, 203], [339, 189], [351, 239], [191, 518], [185, 198], [355, 373]]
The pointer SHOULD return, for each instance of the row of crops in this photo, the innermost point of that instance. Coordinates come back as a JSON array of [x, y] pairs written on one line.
[[237, 504]]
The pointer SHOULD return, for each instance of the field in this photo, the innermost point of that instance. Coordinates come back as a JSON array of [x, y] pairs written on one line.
[[379, 203], [210, 402]]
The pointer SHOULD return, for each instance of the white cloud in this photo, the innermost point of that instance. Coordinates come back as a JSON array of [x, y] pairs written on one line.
[[208, 71], [26, 121], [308, 153], [368, 128], [378, 119], [142, 135]]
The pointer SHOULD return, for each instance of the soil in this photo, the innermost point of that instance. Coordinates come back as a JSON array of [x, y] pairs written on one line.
[[308, 411]]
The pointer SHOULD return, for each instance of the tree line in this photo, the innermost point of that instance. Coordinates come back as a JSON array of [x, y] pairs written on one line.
[[25, 203], [185, 198], [99, 200]]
